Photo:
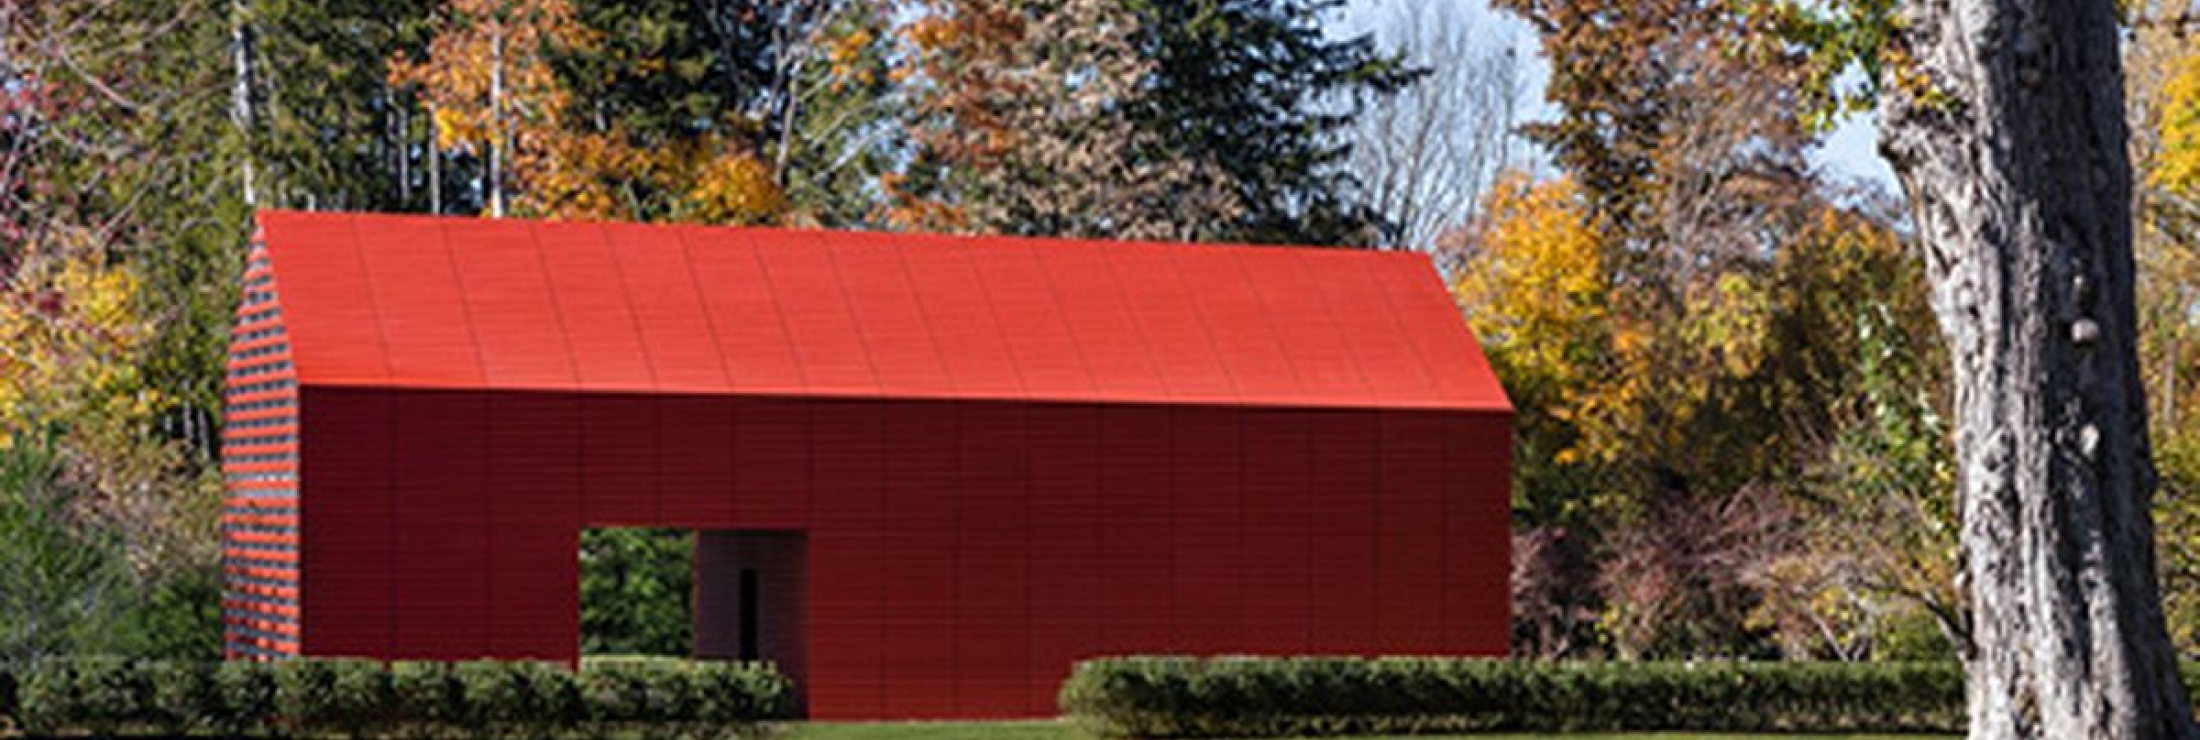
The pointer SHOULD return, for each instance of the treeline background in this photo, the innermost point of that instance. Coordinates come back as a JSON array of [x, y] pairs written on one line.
[[1731, 390]]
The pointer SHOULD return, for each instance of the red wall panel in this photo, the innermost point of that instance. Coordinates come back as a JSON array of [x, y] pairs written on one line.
[[1278, 530], [348, 523], [848, 559], [992, 567], [1478, 538], [773, 490], [620, 450], [1410, 534], [534, 488], [1341, 573], [1135, 530], [917, 649], [695, 462], [441, 564], [962, 554], [1207, 533], [1065, 558]]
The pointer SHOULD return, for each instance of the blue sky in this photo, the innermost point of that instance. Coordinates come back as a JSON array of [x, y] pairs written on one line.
[[1849, 153]]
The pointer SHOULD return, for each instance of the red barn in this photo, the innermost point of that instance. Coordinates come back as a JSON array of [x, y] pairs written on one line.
[[930, 472]]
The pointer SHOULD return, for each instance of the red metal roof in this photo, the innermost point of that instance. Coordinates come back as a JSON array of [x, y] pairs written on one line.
[[422, 302]]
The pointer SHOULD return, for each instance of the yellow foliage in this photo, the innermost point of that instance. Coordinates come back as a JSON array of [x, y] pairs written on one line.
[[2178, 166], [69, 326], [1534, 288], [736, 187], [489, 80]]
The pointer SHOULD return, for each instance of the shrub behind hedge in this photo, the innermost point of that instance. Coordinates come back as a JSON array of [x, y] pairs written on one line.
[[110, 697], [1247, 697]]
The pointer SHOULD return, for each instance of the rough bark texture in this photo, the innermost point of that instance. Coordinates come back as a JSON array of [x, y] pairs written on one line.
[[2006, 128]]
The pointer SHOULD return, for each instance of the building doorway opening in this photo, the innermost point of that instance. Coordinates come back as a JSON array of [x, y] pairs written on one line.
[[637, 592], [749, 597]]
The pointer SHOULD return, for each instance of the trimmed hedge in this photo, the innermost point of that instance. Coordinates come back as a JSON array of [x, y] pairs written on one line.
[[110, 697], [1252, 697]]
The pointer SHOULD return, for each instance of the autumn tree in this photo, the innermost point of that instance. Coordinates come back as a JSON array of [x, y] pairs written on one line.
[[116, 208], [1234, 105], [489, 86], [1715, 384], [729, 111]]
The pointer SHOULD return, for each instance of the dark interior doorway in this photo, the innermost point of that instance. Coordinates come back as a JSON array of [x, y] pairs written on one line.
[[749, 601]]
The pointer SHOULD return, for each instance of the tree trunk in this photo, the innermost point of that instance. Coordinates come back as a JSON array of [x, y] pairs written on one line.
[[240, 94], [2005, 125], [435, 166], [497, 138]]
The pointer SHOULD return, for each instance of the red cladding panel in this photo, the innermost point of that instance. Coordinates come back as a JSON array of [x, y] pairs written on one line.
[[534, 444], [442, 543], [848, 559], [1032, 325], [1136, 533], [1410, 525], [598, 317], [992, 566], [771, 491], [668, 308], [1428, 318], [1291, 293], [1098, 321], [695, 467], [1065, 561], [751, 327], [963, 323], [1245, 341], [1173, 332], [513, 312], [1372, 336], [425, 317], [1207, 528], [1478, 541], [348, 522], [918, 647], [327, 300], [619, 460], [1277, 531], [1343, 505], [893, 326], [821, 326]]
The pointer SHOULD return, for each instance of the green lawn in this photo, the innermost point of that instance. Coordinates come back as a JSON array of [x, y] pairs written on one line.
[[1061, 731]]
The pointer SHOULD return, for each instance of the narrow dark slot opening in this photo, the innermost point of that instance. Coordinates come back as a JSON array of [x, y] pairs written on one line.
[[748, 614]]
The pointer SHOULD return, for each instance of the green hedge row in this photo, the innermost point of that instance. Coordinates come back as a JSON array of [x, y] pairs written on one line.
[[1248, 697], [101, 697]]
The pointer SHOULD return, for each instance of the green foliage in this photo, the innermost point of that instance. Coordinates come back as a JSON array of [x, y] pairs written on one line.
[[331, 695], [116, 697], [244, 694], [1181, 697], [65, 588], [636, 589]]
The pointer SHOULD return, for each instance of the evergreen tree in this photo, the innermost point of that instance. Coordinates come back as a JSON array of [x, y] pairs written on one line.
[[1257, 89], [1214, 120]]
